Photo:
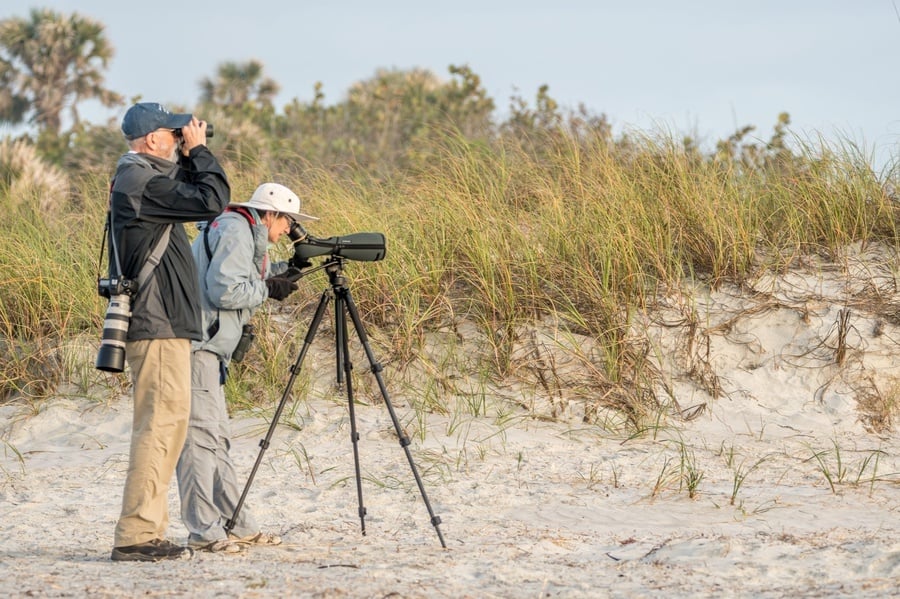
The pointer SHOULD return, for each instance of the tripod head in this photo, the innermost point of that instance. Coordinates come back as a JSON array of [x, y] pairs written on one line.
[[332, 265]]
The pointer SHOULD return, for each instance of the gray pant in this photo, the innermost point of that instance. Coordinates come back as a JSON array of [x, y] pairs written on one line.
[[206, 479]]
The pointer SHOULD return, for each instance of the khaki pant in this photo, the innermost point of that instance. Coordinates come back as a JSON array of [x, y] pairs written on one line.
[[161, 378]]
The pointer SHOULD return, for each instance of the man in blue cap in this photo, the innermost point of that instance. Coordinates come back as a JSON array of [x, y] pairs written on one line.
[[169, 177]]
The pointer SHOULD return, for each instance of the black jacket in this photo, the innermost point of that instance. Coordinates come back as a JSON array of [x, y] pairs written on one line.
[[147, 194]]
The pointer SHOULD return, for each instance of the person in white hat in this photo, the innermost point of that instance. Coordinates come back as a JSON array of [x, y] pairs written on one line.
[[236, 277]]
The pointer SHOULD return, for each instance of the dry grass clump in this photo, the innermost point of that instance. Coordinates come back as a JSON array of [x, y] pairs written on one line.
[[878, 407], [29, 182]]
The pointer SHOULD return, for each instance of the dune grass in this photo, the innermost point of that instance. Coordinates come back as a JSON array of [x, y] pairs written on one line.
[[48, 288], [500, 234]]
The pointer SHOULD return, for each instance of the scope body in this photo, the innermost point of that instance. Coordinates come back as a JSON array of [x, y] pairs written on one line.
[[363, 247]]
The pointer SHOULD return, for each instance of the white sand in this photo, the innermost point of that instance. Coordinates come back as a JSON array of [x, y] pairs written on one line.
[[531, 508]]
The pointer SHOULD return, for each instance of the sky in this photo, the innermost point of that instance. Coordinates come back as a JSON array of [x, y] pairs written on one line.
[[703, 68]]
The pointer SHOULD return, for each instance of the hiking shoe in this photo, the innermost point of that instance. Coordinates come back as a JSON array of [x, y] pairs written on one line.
[[219, 546], [260, 538], [151, 551]]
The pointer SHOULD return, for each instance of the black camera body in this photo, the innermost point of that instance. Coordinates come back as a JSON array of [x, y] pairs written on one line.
[[116, 286]]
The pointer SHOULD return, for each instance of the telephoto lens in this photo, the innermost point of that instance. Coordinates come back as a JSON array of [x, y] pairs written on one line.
[[111, 357]]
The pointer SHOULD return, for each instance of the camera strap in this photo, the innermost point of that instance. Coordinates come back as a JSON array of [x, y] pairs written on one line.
[[238, 209], [154, 257], [152, 260], [109, 232]]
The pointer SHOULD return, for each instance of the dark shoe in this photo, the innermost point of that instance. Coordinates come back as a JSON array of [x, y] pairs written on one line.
[[151, 551]]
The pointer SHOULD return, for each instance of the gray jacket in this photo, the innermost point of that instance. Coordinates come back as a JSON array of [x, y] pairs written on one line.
[[232, 277]]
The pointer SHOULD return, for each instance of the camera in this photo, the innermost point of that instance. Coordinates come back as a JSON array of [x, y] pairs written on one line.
[[209, 131], [116, 286], [119, 291], [111, 356], [363, 247]]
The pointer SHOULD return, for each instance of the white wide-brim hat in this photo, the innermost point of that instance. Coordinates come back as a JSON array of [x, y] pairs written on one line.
[[274, 197]]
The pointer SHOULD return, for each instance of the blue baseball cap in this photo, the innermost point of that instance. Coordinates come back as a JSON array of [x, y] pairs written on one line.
[[145, 117]]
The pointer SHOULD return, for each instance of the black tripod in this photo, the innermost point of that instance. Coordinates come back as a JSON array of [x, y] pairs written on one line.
[[343, 305]]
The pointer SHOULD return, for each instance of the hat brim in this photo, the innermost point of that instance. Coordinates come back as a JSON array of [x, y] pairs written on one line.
[[298, 216], [177, 121], [301, 216], [292, 215]]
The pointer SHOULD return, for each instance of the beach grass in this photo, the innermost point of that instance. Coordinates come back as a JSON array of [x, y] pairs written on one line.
[[582, 231]]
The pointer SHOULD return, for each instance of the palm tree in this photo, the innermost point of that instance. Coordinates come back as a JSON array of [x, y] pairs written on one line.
[[237, 84], [49, 63]]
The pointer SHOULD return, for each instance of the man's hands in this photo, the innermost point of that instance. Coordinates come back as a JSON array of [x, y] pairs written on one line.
[[280, 287], [192, 135]]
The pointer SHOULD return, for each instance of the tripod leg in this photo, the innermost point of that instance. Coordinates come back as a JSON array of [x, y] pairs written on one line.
[[295, 370], [340, 327], [343, 294], [340, 336]]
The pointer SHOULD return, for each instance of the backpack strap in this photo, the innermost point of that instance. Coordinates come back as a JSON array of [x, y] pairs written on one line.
[[214, 327], [240, 210]]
